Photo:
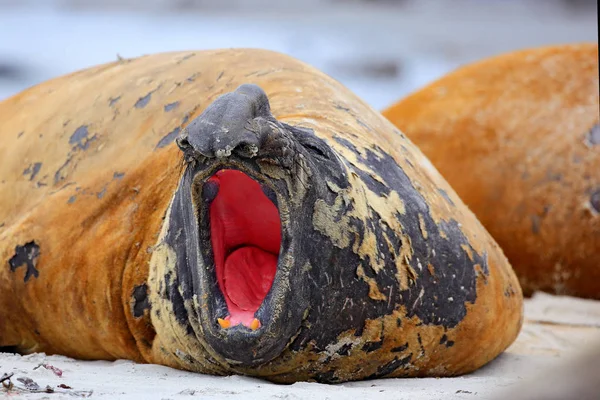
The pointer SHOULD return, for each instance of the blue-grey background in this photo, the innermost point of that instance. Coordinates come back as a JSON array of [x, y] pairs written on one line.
[[381, 49]]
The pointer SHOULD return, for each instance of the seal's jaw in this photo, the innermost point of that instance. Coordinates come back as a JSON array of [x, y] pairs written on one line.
[[247, 289], [245, 234]]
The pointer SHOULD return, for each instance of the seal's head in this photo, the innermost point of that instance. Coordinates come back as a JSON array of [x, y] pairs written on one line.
[[283, 252], [238, 225]]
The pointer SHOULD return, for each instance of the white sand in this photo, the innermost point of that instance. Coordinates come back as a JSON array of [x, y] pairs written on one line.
[[555, 328]]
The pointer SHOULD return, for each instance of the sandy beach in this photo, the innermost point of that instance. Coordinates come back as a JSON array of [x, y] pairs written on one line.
[[555, 329]]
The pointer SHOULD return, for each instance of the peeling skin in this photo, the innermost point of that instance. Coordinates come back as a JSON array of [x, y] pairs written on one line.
[[422, 225], [353, 297], [324, 220], [374, 292], [33, 170], [467, 250]]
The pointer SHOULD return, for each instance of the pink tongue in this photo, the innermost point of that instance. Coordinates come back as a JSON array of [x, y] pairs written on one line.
[[248, 275]]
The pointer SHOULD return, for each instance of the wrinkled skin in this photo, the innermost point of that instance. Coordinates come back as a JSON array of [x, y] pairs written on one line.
[[381, 271]]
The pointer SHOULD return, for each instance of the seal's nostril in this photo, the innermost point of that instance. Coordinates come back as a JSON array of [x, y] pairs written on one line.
[[236, 123], [246, 150], [183, 143]]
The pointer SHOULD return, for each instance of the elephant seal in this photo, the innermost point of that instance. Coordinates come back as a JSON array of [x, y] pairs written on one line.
[[238, 212], [521, 146]]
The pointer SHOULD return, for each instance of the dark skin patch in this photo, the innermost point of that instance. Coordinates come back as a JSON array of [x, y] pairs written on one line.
[[546, 210], [20, 134], [341, 107], [535, 224], [326, 377], [171, 136], [178, 306], [187, 57], [80, 139], [345, 349], [118, 175], [446, 197], [509, 291], [373, 184], [443, 339], [33, 170], [101, 193], [372, 346], [171, 106], [26, 255], [400, 349], [595, 200], [79, 136], [140, 300], [72, 199], [553, 176], [168, 138], [113, 100], [143, 101], [347, 144], [421, 343], [593, 136], [390, 367], [301, 340]]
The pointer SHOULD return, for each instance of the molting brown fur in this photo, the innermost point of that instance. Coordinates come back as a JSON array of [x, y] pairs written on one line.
[[518, 137]]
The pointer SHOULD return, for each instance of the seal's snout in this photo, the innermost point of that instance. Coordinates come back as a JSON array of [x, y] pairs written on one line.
[[236, 123], [244, 177]]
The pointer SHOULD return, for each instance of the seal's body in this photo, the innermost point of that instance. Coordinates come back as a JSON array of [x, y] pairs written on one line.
[[290, 233], [518, 137]]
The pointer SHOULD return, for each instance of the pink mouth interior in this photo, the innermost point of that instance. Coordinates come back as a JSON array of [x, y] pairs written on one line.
[[246, 236]]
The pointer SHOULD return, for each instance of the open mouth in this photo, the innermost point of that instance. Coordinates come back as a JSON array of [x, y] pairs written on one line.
[[245, 232]]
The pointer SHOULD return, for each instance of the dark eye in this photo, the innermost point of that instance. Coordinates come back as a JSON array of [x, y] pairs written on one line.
[[310, 142], [315, 149]]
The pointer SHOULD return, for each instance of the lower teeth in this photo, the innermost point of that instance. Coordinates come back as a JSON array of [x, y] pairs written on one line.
[[226, 323]]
